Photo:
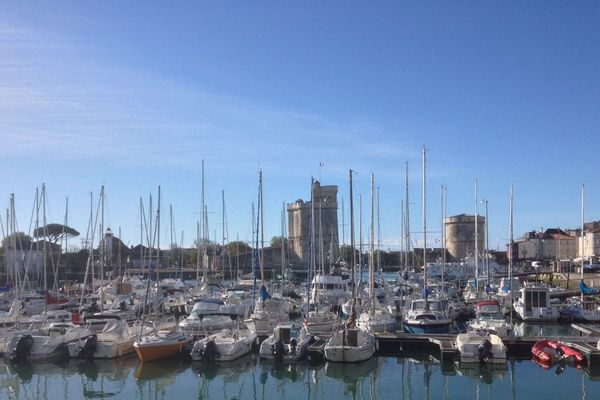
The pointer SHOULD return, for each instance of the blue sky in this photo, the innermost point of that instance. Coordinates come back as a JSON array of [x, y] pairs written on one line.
[[134, 95]]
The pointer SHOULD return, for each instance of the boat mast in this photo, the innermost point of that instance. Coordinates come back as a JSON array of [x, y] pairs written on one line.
[[262, 233], [352, 237], [476, 238], [45, 245], [424, 198], [443, 241], [254, 252], [102, 249], [402, 255], [321, 250], [202, 226], [141, 235], [313, 261], [282, 242], [487, 243], [582, 235], [372, 245], [510, 253], [157, 251], [378, 239], [360, 238], [407, 216]]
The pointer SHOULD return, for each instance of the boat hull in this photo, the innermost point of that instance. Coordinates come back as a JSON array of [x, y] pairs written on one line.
[[154, 351], [420, 328]]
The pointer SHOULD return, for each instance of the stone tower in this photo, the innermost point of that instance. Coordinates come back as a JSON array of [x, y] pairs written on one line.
[[460, 235], [299, 223]]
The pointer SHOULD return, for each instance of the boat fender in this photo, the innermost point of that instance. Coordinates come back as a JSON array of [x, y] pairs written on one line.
[[485, 351]]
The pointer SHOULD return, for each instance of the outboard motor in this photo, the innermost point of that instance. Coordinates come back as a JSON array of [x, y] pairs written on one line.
[[22, 347], [211, 352], [293, 345], [278, 350], [485, 351], [90, 344]]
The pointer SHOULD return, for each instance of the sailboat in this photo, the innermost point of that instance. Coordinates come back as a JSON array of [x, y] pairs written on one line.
[[163, 343], [426, 314], [268, 310], [350, 343], [318, 322], [376, 319], [585, 307]]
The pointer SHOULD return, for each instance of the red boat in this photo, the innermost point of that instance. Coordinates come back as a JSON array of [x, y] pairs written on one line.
[[547, 351]]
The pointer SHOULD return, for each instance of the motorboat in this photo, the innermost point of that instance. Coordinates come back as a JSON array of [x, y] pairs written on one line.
[[114, 338], [226, 345], [159, 345], [200, 326], [287, 343], [48, 343], [533, 304], [489, 319], [426, 316], [483, 349]]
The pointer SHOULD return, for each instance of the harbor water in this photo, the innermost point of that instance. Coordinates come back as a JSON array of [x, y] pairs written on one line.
[[412, 376]]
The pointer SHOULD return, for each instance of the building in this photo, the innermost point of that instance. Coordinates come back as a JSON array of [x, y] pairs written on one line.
[[325, 226], [552, 244], [460, 235], [30, 260], [591, 246]]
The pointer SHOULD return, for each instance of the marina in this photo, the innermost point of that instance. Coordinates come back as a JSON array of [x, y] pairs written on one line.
[[299, 200]]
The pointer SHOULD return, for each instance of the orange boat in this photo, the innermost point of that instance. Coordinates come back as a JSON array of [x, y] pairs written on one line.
[[163, 344]]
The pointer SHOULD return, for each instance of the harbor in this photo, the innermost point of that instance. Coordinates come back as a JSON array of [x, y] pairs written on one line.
[[299, 200]]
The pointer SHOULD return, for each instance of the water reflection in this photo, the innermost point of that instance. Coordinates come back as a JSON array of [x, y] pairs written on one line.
[[229, 372], [418, 375], [485, 373]]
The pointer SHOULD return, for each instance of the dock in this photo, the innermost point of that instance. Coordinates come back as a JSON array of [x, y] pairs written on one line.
[[517, 346]]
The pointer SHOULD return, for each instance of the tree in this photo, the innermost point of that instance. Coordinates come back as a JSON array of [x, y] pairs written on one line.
[[55, 232], [276, 242], [233, 248], [20, 239]]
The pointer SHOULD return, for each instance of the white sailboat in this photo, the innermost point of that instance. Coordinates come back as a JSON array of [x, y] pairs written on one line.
[[584, 308], [376, 319], [320, 321], [268, 310], [349, 343], [425, 314]]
